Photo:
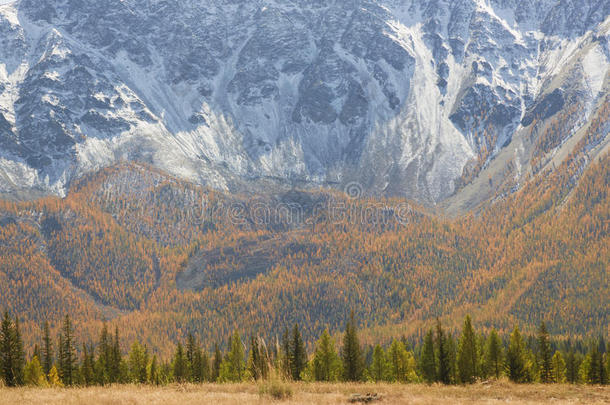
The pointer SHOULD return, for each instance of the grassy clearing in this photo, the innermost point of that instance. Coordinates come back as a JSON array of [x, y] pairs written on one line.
[[303, 393]]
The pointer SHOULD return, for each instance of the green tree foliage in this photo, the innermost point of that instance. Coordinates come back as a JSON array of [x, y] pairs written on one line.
[[544, 354], [138, 363], [216, 363], [115, 359], [34, 374], [494, 356], [191, 350], [444, 361], [351, 353], [400, 363], [180, 364], [47, 349], [379, 364], [595, 370], [298, 356], [428, 359], [467, 359], [558, 367], [572, 367], [326, 361], [87, 368], [153, 371], [233, 367], [67, 353], [397, 364], [515, 358], [12, 358], [258, 359]]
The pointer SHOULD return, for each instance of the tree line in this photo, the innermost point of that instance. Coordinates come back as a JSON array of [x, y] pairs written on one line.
[[440, 357]]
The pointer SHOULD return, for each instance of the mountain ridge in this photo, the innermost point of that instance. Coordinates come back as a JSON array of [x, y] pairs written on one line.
[[408, 99]]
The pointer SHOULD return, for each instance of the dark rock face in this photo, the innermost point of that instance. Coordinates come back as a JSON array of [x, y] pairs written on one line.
[[394, 94], [550, 104]]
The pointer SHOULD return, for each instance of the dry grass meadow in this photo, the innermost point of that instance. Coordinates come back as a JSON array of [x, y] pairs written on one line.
[[244, 394]]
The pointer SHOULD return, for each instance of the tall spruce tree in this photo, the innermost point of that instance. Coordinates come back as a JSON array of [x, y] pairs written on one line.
[[378, 364], [200, 367], [326, 362], [444, 362], [12, 358], [559, 368], [515, 358], [216, 362], [180, 364], [153, 375], [254, 359], [595, 365], [67, 353], [494, 355], [400, 363], [544, 355], [233, 367], [428, 359], [87, 371], [19, 355], [351, 353], [34, 375], [47, 349], [104, 359], [191, 347], [467, 353], [298, 354], [115, 358], [138, 363], [452, 352], [572, 366]]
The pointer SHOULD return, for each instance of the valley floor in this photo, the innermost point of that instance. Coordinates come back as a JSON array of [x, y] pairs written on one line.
[[315, 393]]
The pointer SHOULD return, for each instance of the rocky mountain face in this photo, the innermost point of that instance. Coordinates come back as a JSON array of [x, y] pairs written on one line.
[[403, 96]]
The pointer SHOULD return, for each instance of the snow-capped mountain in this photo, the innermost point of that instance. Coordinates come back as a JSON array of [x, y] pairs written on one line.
[[399, 95]]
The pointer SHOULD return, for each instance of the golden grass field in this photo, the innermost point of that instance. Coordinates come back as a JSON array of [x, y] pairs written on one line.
[[315, 393]]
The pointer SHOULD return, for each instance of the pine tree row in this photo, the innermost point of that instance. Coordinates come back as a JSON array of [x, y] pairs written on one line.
[[439, 358]]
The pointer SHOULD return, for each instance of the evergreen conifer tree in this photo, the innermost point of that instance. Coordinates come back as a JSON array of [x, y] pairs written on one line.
[[558, 367], [115, 358], [216, 362], [378, 364], [191, 348], [138, 363], [544, 354], [67, 353], [180, 364], [254, 359], [47, 349], [326, 362], [515, 358], [428, 359], [153, 374], [34, 375], [19, 365], [494, 355], [572, 366], [444, 366], [467, 353], [351, 354], [594, 366], [298, 354]]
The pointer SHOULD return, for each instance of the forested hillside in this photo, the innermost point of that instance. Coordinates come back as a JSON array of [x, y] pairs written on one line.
[[161, 258]]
